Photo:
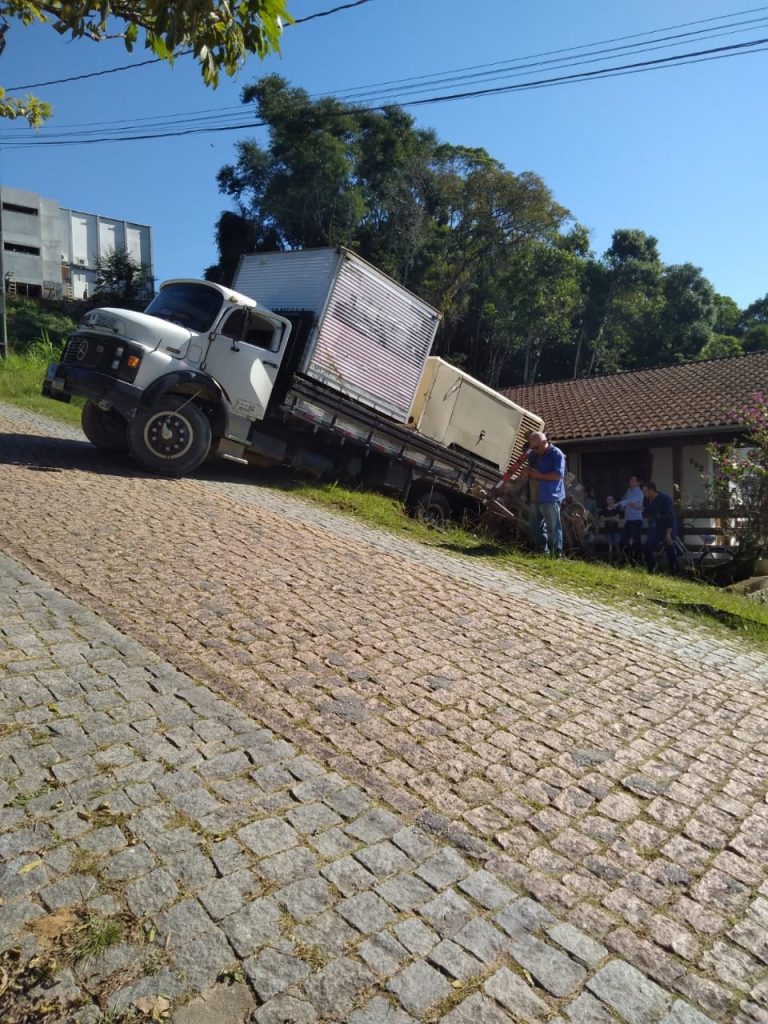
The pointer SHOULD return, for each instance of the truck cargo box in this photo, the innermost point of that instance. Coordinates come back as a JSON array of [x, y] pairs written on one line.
[[371, 337], [462, 413]]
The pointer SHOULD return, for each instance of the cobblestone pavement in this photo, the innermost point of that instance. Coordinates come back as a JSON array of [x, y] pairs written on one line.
[[382, 782]]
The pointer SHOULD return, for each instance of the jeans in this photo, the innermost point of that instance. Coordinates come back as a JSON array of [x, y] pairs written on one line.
[[546, 530], [632, 536], [658, 535]]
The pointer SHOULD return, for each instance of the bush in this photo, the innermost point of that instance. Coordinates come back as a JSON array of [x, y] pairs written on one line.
[[30, 320]]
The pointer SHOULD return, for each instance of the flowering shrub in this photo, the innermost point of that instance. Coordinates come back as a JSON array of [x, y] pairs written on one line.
[[741, 477]]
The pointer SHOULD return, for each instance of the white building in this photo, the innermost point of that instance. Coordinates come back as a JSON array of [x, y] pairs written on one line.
[[50, 252]]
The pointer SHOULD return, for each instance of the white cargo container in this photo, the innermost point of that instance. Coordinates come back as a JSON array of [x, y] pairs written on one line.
[[371, 336], [462, 413]]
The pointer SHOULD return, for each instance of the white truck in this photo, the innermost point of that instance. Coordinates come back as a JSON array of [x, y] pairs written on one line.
[[314, 359]]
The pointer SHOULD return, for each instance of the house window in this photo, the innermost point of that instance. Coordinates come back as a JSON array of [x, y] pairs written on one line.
[[29, 250]]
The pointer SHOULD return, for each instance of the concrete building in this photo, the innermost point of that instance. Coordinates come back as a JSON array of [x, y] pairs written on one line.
[[50, 252]]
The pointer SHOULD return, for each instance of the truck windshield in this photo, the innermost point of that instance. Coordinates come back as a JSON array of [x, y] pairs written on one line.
[[192, 305]]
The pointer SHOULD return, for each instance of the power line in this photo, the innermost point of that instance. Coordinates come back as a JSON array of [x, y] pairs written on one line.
[[700, 56], [517, 71], [574, 49], [497, 71], [158, 60]]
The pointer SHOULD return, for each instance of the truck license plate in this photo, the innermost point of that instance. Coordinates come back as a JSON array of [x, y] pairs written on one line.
[[57, 384]]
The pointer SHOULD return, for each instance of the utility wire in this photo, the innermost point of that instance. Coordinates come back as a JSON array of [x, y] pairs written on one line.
[[574, 49], [362, 96], [701, 56], [374, 94]]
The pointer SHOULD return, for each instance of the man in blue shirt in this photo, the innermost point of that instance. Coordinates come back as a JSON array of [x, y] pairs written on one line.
[[546, 476], [660, 512]]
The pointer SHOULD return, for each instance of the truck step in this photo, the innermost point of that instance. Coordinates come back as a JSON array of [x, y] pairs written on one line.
[[231, 450]]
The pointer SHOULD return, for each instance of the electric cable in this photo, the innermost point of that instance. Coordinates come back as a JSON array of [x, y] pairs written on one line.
[[701, 56]]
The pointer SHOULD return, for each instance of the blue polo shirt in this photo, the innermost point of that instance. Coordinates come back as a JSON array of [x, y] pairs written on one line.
[[551, 461]]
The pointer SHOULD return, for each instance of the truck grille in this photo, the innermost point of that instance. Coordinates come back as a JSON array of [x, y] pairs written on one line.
[[91, 351]]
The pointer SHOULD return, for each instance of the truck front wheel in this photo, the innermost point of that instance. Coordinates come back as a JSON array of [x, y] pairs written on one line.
[[173, 436], [106, 429]]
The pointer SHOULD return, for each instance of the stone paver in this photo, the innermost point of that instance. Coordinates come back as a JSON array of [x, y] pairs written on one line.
[[275, 762]]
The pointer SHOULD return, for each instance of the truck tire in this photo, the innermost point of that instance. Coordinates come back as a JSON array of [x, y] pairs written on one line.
[[172, 436], [433, 509], [106, 429]]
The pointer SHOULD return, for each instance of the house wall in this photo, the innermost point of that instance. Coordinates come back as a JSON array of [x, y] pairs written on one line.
[[697, 472]]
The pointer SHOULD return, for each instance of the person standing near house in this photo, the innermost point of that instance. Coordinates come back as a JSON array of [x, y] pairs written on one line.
[[632, 506], [660, 513], [546, 482], [610, 516]]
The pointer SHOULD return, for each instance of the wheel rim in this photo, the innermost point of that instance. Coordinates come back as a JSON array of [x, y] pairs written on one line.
[[168, 435]]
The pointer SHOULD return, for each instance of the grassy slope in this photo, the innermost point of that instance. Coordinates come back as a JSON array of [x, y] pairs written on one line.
[[20, 380]]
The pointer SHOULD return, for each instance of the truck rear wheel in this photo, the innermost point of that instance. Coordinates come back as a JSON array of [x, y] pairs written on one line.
[[432, 508], [106, 429], [173, 436]]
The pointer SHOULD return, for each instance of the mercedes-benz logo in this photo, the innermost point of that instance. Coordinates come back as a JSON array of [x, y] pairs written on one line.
[[81, 351]]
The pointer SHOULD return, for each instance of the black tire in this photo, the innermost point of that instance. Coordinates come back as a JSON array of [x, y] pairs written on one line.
[[433, 509], [106, 429], [172, 437]]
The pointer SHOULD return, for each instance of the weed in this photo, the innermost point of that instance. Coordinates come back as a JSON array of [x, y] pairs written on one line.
[[93, 936], [311, 954], [85, 863], [22, 799]]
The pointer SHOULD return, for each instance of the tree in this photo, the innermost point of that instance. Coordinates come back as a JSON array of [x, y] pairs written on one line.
[[721, 346], [684, 322], [121, 279], [330, 174], [753, 326], [219, 33], [727, 315], [624, 291]]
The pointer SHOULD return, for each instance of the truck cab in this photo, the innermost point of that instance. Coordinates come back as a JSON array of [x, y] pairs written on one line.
[[194, 371]]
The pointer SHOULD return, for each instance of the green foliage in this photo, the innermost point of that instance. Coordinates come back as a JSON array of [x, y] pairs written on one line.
[[29, 320], [31, 109], [219, 34], [720, 346], [756, 338], [121, 280], [741, 477]]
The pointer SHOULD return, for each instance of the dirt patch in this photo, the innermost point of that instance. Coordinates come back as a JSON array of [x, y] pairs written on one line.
[[51, 929]]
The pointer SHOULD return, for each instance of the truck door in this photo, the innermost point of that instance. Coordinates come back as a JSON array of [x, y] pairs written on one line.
[[244, 356]]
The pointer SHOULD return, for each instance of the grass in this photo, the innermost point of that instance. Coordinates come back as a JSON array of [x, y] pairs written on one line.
[[21, 378], [659, 596], [93, 936]]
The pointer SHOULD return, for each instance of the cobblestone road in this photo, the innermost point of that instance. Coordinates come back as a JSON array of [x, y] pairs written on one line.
[[385, 783]]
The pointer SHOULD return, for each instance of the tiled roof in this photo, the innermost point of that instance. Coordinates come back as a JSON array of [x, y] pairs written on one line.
[[690, 396]]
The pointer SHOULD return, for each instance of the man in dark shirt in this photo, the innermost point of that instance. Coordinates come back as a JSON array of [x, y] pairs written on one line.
[[660, 512]]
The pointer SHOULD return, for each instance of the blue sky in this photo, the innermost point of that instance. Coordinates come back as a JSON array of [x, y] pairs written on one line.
[[681, 153]]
